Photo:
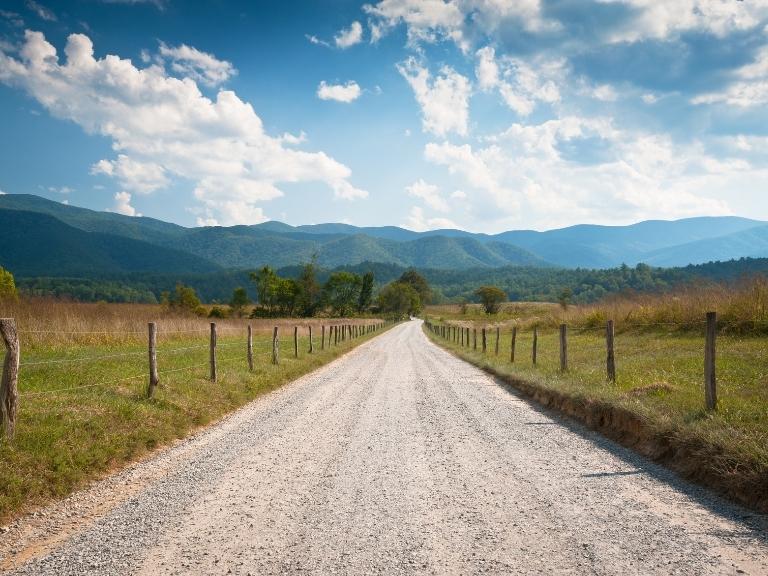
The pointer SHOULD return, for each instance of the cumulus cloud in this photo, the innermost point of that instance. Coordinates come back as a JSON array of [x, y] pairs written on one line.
[[123, 205], [444, 99], [527, 174], [201, 67], [429, 193], [418, 222], [348, 92], [167, 130], [350, 36], [139, 177]]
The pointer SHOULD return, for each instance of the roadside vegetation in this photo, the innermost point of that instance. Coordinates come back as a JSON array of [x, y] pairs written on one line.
[[83, 407], [660, 369]]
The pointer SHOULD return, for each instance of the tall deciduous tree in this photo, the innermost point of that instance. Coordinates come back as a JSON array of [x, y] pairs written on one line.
[[418, 283], [400, 299], [239, 301], [342, 292], [366, 292]]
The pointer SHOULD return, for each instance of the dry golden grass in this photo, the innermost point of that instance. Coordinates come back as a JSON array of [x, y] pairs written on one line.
[[48, 322], [83, 406], [741, 308]]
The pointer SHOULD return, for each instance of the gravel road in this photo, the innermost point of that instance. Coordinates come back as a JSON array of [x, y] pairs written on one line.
[[396, 459]]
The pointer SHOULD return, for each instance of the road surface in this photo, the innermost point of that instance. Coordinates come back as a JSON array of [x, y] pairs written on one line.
[[396, 459]]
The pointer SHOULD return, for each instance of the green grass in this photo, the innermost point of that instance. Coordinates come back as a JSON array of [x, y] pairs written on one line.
[[660, 377], [69, 431]]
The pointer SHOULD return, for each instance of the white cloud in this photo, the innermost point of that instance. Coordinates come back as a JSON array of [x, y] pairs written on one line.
[[349, 37], [431, 20], [348, 92], [662, 20], [605, 93], [748, 88], [61, 190], [521, 84], [523, 177], [444, 100], [459, 195], [2, 193], [293, 139], [43, 12], [417, 222], [486, 70], [123, 205], [429, 193], [139, 177], [202, 67], [156, 120]]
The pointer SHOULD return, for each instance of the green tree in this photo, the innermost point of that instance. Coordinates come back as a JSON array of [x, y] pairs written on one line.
[[399, 299], [418, 283], [184, 299], [342, 292], [7, 285], [310, 290], [286, 296], [565, 298], [491, 297], [366, 292], [267, 282], [239, 301]]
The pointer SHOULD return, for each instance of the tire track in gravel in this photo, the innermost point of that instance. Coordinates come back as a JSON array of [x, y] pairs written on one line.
[[399, 458]]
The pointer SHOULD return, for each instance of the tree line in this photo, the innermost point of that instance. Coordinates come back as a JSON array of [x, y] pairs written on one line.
[[342, 294]]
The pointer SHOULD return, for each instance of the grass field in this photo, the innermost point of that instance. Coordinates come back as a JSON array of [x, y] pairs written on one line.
[[660, 374], [83, 409]]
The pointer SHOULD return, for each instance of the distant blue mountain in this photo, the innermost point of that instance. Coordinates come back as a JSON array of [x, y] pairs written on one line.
[[657, 242]]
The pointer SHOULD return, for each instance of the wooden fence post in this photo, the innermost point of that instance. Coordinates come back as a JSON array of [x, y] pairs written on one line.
[[275, 347], [563, 347], [710, 375], [474, 338], [611, 355], [153, 379], [461, 329], [213, 352], [484, 342], [9, 392], [311, 344], [249, 348], [512, 345], [534, 350], [498, 337], [322, 337], [295, 341]]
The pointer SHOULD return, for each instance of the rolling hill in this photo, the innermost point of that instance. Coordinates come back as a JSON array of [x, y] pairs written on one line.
[[660, 243], [35, 244]]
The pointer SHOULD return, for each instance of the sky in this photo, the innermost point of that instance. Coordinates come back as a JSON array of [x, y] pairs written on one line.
[[485, 115]]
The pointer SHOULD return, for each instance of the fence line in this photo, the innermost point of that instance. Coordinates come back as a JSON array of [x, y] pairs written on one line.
[[9, 393], [709, 348]]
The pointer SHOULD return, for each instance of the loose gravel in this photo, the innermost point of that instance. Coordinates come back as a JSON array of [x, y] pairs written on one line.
[[396, 459]]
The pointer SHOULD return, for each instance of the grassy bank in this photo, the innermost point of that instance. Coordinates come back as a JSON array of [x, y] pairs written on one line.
[[657, 404], [83, 409]]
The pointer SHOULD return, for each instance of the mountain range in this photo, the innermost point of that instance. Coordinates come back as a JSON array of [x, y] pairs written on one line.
[[40, 237]]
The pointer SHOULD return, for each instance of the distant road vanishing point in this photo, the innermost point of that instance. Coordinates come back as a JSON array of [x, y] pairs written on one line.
[[397, 458]]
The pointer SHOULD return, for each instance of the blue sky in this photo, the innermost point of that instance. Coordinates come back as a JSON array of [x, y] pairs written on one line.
[[485, 115]]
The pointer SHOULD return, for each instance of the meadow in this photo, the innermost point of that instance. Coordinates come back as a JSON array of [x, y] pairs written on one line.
[[83, 406], [659, 347]]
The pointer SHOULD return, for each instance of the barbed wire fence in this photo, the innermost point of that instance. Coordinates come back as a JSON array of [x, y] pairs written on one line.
[[597, 349], [331, 335]]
